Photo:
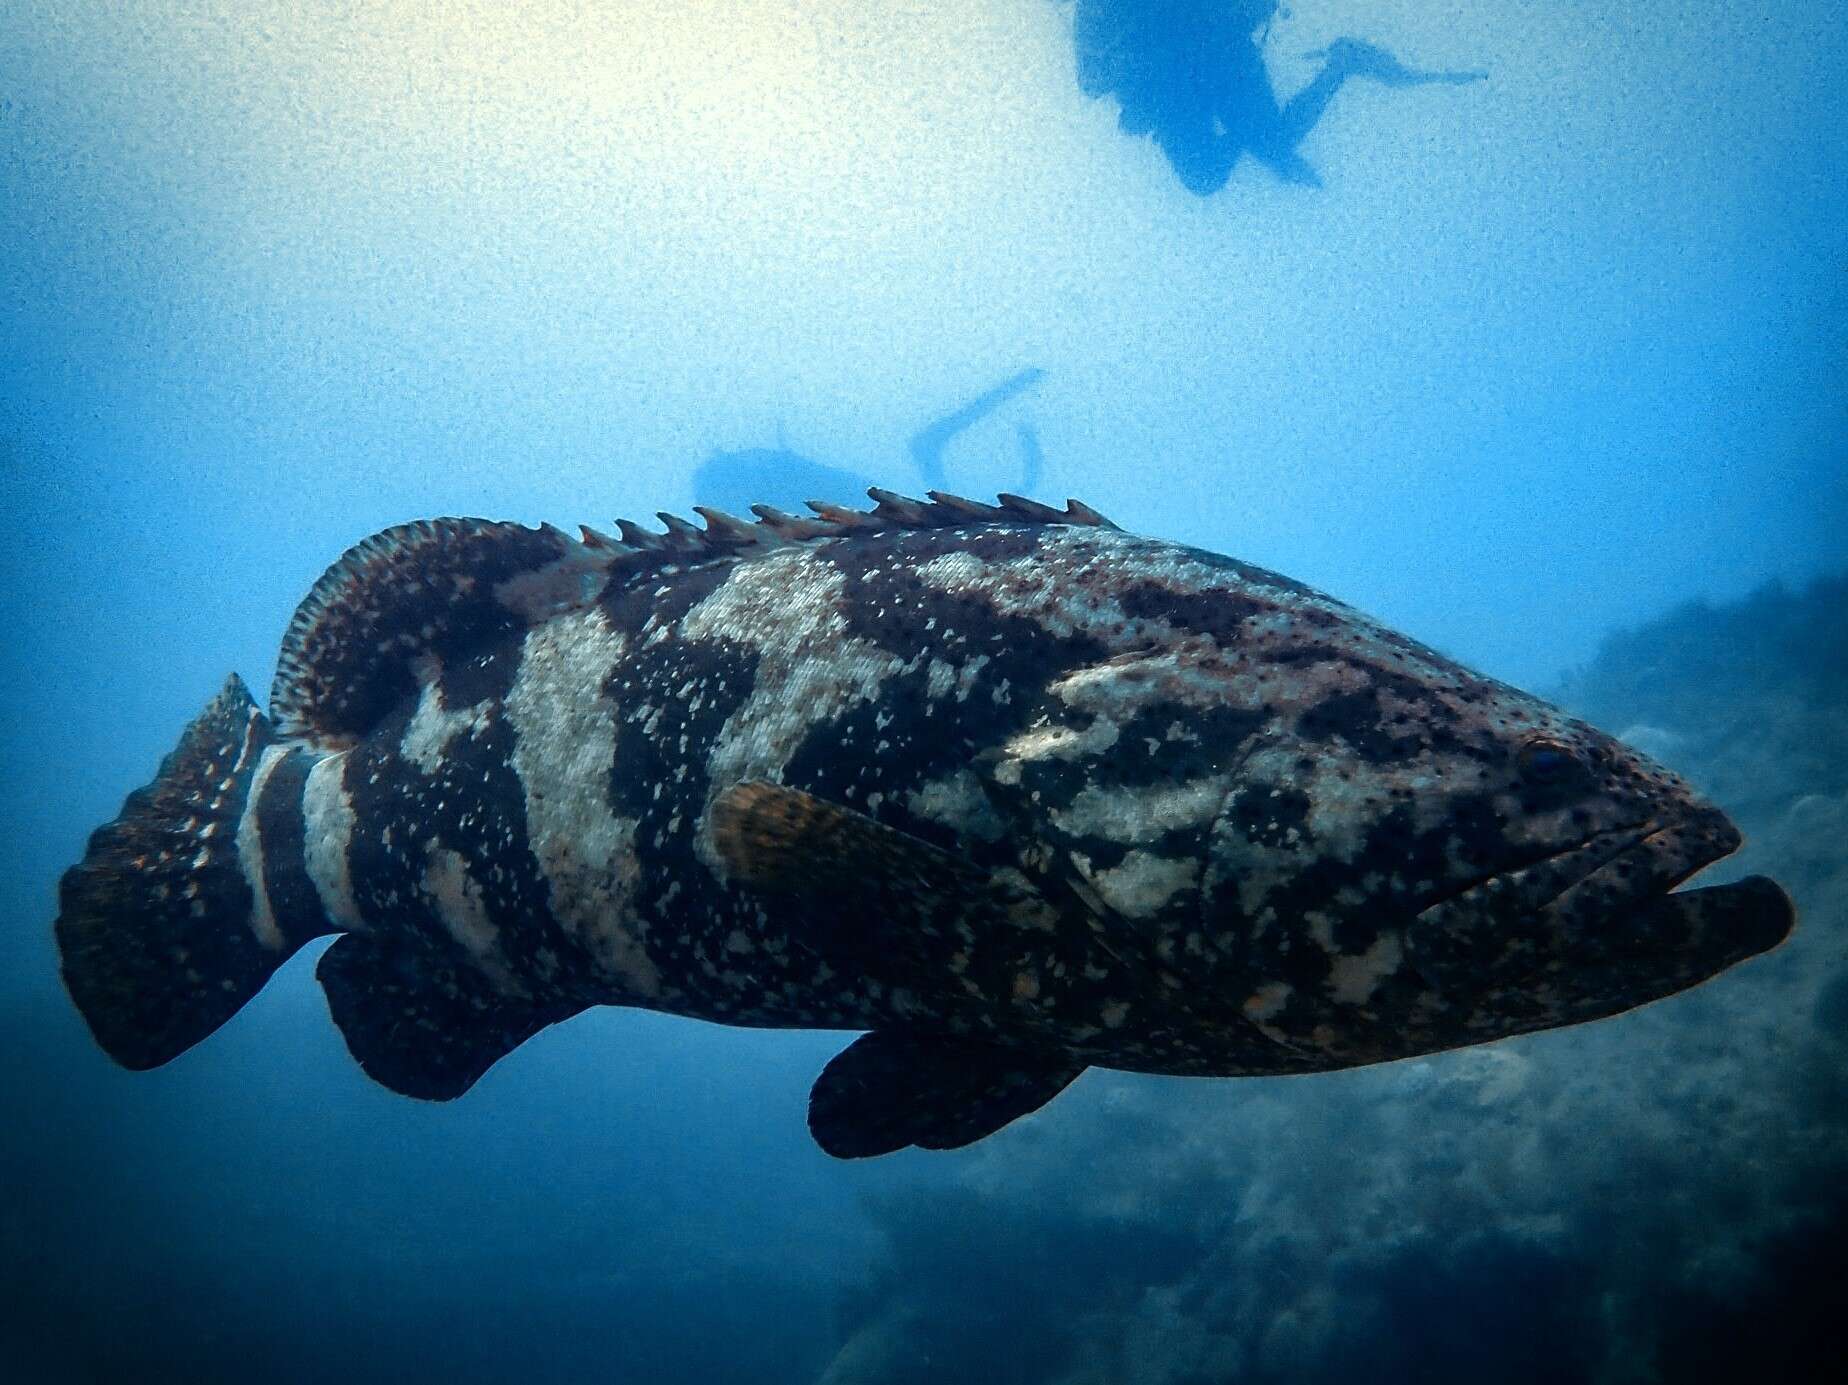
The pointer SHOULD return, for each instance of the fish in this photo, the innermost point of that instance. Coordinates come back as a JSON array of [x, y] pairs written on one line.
[[1008, 789]]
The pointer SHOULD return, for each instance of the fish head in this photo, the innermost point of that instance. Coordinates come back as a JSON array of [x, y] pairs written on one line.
[[1325, 835], [1579, 911], [1414, 857]]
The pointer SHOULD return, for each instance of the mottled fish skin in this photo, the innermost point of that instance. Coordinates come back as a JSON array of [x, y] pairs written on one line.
[[1262, 833], [1014, 790]]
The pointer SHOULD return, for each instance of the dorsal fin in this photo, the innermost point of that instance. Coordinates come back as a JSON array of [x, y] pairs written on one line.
[[432, 588], [435, 589]]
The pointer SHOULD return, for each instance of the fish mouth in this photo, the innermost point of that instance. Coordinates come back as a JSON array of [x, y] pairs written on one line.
[[1606, 907]]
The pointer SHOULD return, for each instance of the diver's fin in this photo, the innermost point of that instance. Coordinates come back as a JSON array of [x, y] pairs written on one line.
[[157, 926], [396, 604], [420, 1020], [1289, 166], [1032, 456], [885, 1091], [928, 443]]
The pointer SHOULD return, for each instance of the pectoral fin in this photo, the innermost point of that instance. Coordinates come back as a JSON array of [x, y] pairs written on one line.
[[871, 896], [886, 1091], [422, 1022]]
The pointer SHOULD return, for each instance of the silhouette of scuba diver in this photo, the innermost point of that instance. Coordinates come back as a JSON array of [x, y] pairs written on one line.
[[1190, 73], [735, 480]]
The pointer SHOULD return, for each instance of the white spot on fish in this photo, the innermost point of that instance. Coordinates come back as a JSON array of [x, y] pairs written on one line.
[[958, 802], [456, 896], [563, 751], [1143, 883], [250, 852], [1054, 743], [1141, 813], [433, 726], [329, 824], [1267, 1002], [1352, 980]]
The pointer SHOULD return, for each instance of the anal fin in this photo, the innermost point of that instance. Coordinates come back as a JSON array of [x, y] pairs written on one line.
[[886, 1091], [421, 1022]]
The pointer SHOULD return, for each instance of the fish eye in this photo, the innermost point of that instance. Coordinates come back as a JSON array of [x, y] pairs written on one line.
[[1545, 761]]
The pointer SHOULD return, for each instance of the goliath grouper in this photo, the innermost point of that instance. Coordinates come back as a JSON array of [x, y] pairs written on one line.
[[1013, 790]]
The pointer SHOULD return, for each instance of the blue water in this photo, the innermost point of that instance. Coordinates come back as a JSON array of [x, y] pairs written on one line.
[[1514, 363]]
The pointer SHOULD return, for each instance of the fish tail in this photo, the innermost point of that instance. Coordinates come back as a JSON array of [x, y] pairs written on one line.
[[161, 929]]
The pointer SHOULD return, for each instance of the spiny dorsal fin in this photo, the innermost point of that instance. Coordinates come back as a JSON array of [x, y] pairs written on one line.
[[432, 588], [435, 589]]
